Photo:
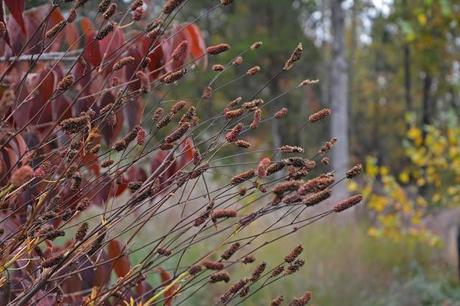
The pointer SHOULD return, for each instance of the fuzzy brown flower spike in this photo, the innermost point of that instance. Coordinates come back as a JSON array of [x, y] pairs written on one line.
[[295, 56], [325, 112], [354, 171], [65, 83], [348, 203], [171, 5], [301, 301], [281, 113], [218, 49]]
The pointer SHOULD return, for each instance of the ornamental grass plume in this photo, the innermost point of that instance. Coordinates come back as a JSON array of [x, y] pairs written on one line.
[[115, 149]]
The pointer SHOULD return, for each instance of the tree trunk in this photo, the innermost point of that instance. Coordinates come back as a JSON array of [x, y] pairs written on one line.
[[339, 96]]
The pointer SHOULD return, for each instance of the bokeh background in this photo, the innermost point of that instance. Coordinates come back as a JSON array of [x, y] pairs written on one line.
[[390, 71]]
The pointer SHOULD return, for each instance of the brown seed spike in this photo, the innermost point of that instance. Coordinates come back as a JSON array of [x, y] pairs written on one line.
[[232, 114], [171, 5], [178, 133], [277, 301], [207, 93], [81, 232], [218, 49], [295, 56], [222, 276], [319, 115], [354, 171], [256, 45], [232, 135], [316, 198], [281, 113], [123, 62], [348, 203], [253, 71], [294, 254], [243, 143], [110, 11], [242, 177], [104, 31], [103, 6], [223, 213], [213, 265], [65, 83], [230, 251], [226, 2]]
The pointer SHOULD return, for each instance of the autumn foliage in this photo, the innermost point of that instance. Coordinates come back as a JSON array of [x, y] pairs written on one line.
[[89, 139]]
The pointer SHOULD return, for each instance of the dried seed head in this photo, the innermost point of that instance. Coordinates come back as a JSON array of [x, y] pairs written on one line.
[[275, 167], [295, 266], [180, 51], [56, 29], [83, 204], [219, 277], [242, 177], [237, 61], [107, 163], [136, 4], [308, 82], [252, 105], [104, 32], [178, 106], [316, 198], [123, 62], [81, 232], [171, 5], [327, 146], [317, 184], [253, 71], [154, 34], [258, 272], [301, 301], [110, 11], [232, 114], [65, 83], [233, 290], [207, 93], [243, 143], [157, 114], [163, 251], [72, 15], [80, 3], [283, 187], [21, 176], [189, 115], [218, 67], [226, 2], [256, 45], [53, 261], [325, 112], [174, 76], [234, 102], [232, 135], [140, 136], [217, 49], [281, 113], [103, 6], [178, 133], [295, 56], [248, 259], [223, 213], [277, 302], [291, 149], [213, 265], [230, 251], [348, 203], [277, 271], [195, 269], [294, 254], [256, 120], [119, 145], [325, 160], [165, 120], [354, 171]]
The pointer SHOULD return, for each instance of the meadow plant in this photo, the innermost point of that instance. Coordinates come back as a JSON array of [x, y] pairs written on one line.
[[87, 121]]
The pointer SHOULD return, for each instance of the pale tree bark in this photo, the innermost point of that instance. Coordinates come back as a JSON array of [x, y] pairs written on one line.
[[339, 96]]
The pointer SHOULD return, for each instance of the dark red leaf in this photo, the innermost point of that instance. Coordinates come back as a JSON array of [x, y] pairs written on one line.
[[91, 52], [120, 261], [171, 292], [196, 43], [16, 8]]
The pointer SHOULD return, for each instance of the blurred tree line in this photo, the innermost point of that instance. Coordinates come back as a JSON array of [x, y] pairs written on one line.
[[401, 56]]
